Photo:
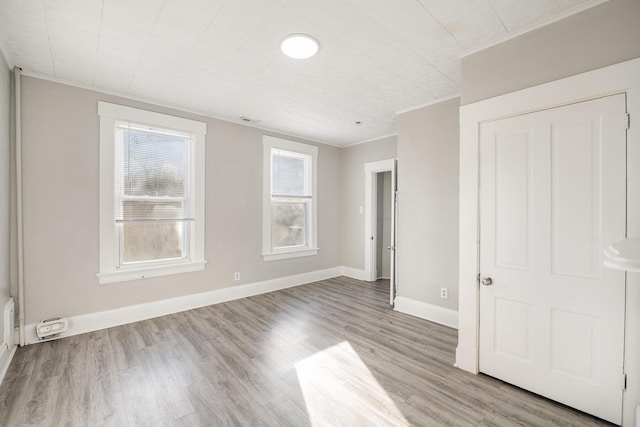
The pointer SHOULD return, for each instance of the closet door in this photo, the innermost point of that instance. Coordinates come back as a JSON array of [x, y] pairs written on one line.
[[552, 195]]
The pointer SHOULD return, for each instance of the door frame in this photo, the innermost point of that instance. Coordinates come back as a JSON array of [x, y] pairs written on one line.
[[620, 78], [371, 169]]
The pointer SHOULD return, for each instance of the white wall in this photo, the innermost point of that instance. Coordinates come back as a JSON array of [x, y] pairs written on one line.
[[352, 171], [60, 152], [427, 239]]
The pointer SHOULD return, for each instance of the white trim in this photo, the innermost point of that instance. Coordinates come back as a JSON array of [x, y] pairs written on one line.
[[620, 78], [465, 355], [366, 141], [8, 318], [370, 195], [269, 254], [134, 313], [178, 108], [6, 356], [299, 147], [514, 34], [123, 112], [353, 273], [124, 275], [429, 103], [274, 256], [279, 133], [17, 76], [423, 310]]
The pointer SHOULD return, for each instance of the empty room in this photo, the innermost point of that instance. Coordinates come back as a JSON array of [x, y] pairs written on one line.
[[319, 213]]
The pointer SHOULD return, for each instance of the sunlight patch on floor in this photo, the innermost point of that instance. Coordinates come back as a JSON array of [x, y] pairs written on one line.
[[339, 390]]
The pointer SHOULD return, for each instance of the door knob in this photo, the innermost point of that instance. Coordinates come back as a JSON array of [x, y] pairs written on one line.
[[487, 281]]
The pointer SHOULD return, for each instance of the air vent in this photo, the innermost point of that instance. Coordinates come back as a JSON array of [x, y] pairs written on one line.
[[49, 328], [250, 120]]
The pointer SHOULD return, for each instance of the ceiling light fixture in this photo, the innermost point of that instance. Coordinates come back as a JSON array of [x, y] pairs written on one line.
[[299, 46]]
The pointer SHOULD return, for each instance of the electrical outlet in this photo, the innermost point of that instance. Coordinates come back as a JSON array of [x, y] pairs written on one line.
[[236, 276], [444, 293]]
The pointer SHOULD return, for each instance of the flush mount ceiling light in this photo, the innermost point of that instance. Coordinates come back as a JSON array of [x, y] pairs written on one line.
[[299, 46]]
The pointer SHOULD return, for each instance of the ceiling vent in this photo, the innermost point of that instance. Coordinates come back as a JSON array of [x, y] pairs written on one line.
[[250, 120]]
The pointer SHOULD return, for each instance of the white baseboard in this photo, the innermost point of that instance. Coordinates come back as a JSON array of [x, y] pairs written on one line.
[[433, 313], [353, 273], [6, 356], [120, 316], [467, 359]]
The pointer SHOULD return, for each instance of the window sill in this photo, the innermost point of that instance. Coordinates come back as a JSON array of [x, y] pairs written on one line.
[[115, 276], [274, 256]]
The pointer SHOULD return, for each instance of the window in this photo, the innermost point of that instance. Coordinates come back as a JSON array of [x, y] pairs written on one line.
[[151, 194], [289, 204]]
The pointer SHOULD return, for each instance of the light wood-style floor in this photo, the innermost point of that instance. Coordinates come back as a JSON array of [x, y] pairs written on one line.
[[331, 353]]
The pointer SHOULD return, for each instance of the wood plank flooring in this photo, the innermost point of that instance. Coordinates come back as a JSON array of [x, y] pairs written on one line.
[[331, 353]]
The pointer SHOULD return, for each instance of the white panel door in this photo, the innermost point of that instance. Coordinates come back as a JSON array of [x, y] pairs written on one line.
[[552, 195]]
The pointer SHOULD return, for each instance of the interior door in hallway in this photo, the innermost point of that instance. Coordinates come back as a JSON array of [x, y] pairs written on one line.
[[552, 195]]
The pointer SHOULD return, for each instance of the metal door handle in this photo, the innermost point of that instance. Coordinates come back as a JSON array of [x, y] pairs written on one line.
[[487, 281]]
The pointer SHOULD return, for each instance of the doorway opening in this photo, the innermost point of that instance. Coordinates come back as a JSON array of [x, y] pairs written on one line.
[[380, 223], [383, 225]]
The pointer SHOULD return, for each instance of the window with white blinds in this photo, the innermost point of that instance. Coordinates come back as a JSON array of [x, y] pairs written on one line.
[[152, 194], [289, 207], [152, 200]]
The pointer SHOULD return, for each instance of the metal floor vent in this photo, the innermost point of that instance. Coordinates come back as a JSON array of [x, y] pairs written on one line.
[[49, 328]]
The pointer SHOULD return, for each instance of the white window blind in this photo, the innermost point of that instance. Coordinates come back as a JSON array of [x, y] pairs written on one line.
[[289, 173], [151, 183]]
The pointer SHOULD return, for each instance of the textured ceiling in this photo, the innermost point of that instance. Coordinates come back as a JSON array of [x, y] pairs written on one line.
[[221, 58]]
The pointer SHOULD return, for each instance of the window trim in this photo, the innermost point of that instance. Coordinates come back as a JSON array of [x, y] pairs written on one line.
[[311, 248], [109, 259]]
